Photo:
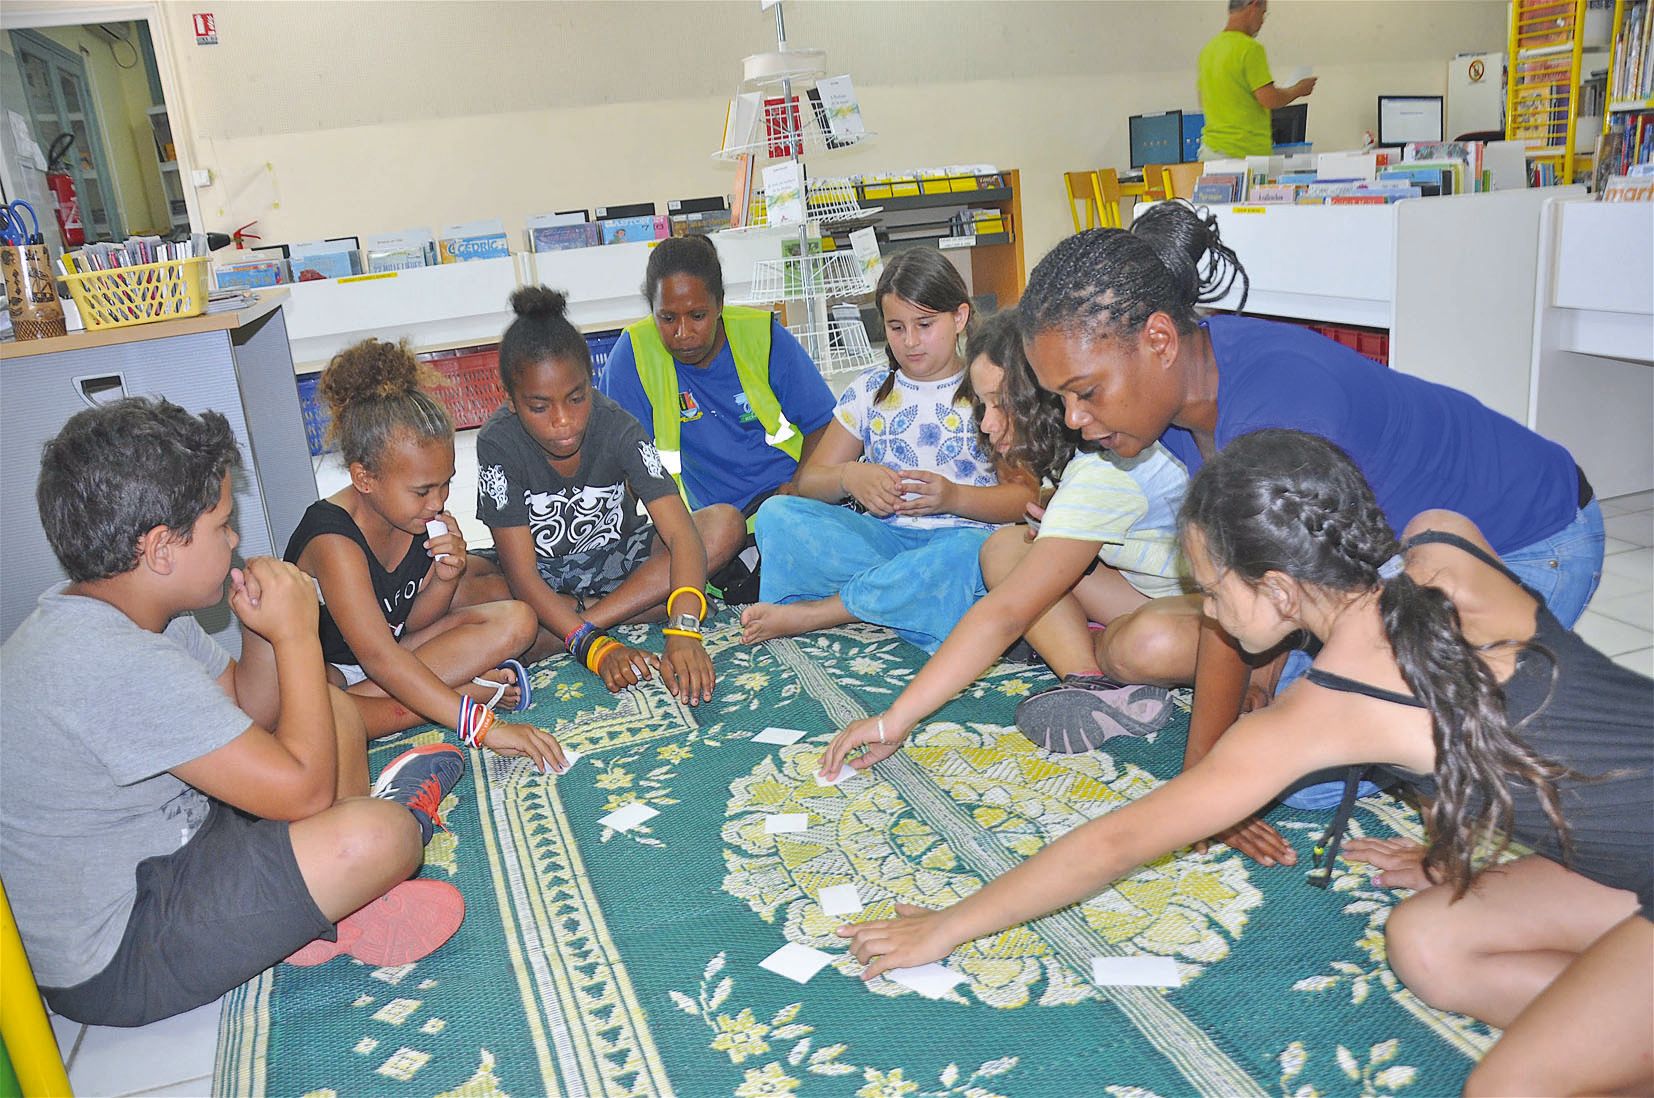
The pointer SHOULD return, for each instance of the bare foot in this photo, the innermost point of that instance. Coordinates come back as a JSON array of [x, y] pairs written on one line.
[[477, 692], [764, 621]]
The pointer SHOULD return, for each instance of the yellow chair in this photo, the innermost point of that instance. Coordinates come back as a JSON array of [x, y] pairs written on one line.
[[1108, 182], [1154, 182], [1084, 189], [30, 1043], [1180, 179]]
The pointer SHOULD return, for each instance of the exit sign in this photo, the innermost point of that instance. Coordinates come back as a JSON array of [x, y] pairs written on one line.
[[206, 28]]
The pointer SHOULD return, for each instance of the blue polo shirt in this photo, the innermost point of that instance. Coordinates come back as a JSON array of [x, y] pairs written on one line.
[[725, 457], [1420, 445]]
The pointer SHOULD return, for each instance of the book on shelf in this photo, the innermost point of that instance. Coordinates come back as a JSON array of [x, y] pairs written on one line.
[[699, 222], [783, 128], [401, 251], [799, 279], [313, 260], [1629, 188], [784, 193], [250, 274], [1632, 74], [740, 199], [741, 121], [1273, 194], [630, 230], [838, 98], [468, 241], [864, 244], [1220, 188], [563, 238]]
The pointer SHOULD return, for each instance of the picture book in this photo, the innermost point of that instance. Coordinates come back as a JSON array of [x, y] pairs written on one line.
[[468, 241], [627, 230], [741, 121], [1267, 194], [844, 121], [741, 194], [562, 238], [399, 251], [783, 129], [250, 274], [313, 260], [784, 193]]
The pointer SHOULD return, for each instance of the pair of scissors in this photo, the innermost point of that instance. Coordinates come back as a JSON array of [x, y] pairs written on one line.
[[12, 229]]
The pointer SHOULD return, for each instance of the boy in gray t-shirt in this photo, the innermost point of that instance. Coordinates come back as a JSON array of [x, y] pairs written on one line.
[[178, 820]]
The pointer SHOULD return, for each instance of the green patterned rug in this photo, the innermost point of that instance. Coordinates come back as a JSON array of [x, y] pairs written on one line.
[[600, 963]]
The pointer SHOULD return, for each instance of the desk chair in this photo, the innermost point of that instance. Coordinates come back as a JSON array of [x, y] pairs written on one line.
[[1154, 183], [1086, 189], [30, 1044], [1180, 179]]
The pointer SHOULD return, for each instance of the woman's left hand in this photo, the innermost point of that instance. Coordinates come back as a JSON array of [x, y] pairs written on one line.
[[915, 937], [448, 550], [932, 494], [686, 670], [862, 733]]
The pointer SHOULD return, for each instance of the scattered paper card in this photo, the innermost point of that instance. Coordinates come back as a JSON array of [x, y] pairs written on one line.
[[629, 816], [787, 823], [932, 981], [782, 736], [1135, 972], [570, 757], [845, 773], [840, 900], [796, 962]]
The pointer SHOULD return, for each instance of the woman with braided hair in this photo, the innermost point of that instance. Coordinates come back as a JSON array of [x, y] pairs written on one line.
[[1438, 663], [1110, 324]]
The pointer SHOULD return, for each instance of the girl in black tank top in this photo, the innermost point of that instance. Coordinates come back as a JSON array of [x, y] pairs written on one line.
[[387, 574], [1283, 534]]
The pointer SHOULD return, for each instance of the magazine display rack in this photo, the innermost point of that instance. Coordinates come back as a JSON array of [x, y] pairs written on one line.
[[796, 119]]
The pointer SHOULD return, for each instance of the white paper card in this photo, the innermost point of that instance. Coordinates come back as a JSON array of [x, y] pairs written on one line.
[[932, 981], [845, 773], [570, 757], [787, 823], [840, 900], [629, 816], [1135, 971], [796, 962], [781, 736]]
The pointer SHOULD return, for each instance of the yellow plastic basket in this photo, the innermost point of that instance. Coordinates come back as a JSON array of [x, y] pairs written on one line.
[[117, 298]]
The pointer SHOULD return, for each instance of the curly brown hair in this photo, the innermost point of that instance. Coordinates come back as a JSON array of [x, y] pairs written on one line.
[[374, 392], [1041, 442]]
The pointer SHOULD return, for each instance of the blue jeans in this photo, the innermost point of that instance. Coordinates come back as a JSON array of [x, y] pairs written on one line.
[[918, 583], [1562, 569]]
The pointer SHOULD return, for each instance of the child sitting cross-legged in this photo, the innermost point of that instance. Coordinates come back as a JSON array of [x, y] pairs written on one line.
[[182, 820], [390, 630], [561, 471]]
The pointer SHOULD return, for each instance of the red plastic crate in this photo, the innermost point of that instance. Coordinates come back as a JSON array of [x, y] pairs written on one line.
[[1375, 345], [471, 391]]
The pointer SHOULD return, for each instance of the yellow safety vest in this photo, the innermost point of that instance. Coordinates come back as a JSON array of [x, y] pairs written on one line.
[[748, 333]]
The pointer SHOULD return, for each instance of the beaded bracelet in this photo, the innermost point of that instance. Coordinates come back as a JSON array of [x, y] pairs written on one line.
[[696, 591], [475, 719], [578, 634]]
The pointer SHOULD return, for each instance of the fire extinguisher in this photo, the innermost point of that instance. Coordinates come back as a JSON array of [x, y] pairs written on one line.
[[62, 186]]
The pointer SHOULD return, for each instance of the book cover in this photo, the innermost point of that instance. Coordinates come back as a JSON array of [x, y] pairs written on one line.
[[784, 193], [741, 193], [319, 265], [741, 121], [624, 230], [468, 249], [844, 121], [783, 129], [251, 274], [1214, 194], [702, 223], [864, 244], [399, 251], [1275, 194], [1357, 200], [562, 238]]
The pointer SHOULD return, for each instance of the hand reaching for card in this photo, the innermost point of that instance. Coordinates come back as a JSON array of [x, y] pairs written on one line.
[[915, 937]]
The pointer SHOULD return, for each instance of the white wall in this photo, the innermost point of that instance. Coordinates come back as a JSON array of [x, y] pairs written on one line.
[[322, 119]]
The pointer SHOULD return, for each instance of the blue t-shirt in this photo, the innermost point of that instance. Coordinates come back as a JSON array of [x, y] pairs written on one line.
[[1420, 445], [725, 457]]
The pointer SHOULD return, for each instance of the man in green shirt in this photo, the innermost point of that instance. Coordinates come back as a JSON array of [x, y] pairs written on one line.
[[1236, 90]]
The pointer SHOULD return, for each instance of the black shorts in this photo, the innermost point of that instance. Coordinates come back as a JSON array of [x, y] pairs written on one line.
[[222, 908]]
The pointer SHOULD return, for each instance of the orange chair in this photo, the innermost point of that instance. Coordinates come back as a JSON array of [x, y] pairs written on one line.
[[1180, 179]]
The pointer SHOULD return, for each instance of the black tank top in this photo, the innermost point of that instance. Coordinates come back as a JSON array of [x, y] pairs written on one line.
[[394, 590], [1598, 720]]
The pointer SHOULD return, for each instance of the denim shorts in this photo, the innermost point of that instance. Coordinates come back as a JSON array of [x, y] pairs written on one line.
[[208, 917]]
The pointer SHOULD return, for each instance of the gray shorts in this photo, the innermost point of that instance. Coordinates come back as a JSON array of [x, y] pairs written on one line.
[[224, 907], [587, 577]]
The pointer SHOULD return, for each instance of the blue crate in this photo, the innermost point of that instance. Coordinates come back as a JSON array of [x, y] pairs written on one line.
[[601, 343], [316, 418]]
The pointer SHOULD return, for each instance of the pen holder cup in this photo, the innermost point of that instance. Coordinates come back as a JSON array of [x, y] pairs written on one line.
[[31, 295]]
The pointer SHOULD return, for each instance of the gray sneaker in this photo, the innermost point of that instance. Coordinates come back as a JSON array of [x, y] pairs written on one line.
[[1084, 711]]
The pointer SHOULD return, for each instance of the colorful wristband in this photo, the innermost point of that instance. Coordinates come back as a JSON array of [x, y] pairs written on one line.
[[697, 592], [475, 719], [599, 649]]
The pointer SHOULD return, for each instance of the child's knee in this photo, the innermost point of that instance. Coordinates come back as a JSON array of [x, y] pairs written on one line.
[[778, 514], [1422, 950], [377, 838], [1142, 649], [1001, 553], [519, 625], [723, 528]]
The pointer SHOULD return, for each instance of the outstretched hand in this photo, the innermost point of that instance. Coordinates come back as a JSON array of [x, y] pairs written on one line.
[[1401, 861], [865, 734], [1257, 840], [915, 937], [536, 745], [686, 670], [623, 666]]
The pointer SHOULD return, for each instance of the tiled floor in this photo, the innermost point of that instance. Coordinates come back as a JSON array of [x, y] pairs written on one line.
[[175, 1057]]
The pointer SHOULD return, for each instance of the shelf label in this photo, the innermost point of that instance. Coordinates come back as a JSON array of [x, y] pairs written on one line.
[[1249, 209], [368, 277], [957, 242]]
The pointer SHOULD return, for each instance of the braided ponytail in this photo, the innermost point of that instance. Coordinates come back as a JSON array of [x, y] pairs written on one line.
[[1288, 502]]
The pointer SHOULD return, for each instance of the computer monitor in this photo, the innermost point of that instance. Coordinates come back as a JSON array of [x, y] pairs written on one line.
[[1404, 118], [1289, 125], [1156, 138], [1193, 123]]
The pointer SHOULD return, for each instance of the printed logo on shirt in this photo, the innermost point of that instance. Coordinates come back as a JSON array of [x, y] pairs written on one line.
[[747, 414], [575, 520], [492, 484], [688, 410], [651, 458]]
